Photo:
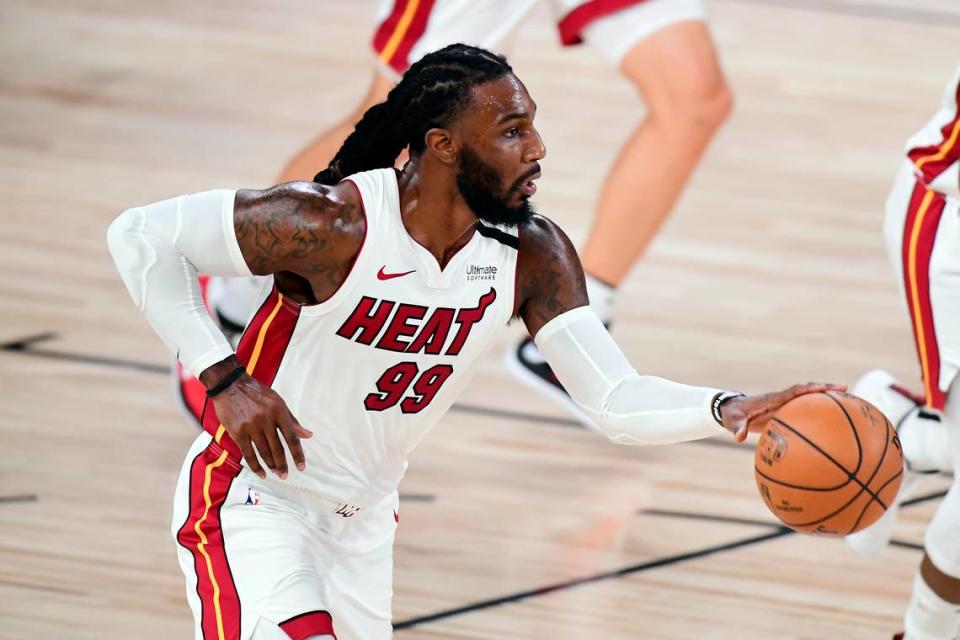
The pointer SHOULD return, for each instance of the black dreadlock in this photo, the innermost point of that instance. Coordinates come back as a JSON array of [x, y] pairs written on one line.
[[432, 93]]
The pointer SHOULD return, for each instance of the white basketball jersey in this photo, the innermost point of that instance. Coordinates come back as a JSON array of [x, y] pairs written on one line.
[[374, 367], [935, 149]]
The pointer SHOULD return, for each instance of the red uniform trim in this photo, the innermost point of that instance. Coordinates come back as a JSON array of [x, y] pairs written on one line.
[[396, 53], [388, 26], [314, 623], [920, 230], [211, 475], [571, 26], [279, 319], [934, 159]]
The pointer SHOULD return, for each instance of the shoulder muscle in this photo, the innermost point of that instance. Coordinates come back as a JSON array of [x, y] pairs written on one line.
[[550, 278], [302, 227]]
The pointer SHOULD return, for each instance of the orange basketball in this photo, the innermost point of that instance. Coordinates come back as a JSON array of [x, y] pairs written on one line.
[[828, 464]]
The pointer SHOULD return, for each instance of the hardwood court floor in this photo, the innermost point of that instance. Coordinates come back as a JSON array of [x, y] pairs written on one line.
[[771, 272]]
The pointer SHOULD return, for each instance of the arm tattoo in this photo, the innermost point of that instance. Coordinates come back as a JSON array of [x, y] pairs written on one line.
[[551, 279], [299, 228]]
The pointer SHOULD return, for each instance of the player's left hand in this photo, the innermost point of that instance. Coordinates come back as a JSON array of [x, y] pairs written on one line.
[[746, 414]]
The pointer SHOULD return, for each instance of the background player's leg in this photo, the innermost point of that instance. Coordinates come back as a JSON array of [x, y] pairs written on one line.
[[317, 155], [934, 609], [676, 70], [678, 74], [925, 432]]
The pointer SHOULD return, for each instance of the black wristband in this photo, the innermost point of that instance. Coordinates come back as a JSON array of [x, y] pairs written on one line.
[[228, 380], [718, 401]]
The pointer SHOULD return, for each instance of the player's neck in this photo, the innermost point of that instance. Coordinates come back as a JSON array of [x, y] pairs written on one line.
[[433, 211]]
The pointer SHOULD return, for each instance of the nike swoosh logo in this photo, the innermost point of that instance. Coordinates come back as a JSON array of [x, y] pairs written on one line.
[[390, 276]]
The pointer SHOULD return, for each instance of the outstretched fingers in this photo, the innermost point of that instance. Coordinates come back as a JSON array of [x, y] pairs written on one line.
[[246, 448], [292, 432]]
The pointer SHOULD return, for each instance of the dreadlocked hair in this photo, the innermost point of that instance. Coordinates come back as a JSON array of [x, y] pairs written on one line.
[[432, 93]]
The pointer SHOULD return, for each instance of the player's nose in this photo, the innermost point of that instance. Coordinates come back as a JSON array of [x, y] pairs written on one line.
[[536, 150]]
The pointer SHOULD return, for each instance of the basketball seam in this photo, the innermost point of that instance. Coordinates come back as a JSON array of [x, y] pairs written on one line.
[[852, 475], [829, 515], [799, 486], [867, 506], [883, 456], [899, 473]]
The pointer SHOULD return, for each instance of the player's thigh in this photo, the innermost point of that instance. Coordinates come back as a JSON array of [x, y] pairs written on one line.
[[247, 553], [407, 30], [942, 538], [945, 291], [905, 197], [361, 582], [665, 49]]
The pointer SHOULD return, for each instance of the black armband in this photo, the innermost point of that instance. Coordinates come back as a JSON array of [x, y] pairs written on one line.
[[228, 380]]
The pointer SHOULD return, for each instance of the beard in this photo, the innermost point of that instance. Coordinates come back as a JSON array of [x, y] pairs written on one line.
[[479, 184]]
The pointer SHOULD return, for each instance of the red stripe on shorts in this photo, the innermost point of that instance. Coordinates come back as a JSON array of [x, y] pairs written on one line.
[[571, 26], [388, 26], [934, 159], [396, 36], [211, 474], [306, 625], [919, 232], [261, 350]]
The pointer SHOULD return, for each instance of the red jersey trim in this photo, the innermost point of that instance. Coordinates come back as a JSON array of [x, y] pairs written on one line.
[[211, 475], [398, 34], [305, 625], [571, 26], [933, 160]]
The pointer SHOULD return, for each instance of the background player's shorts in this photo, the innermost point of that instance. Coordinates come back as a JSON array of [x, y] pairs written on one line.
[[309, 566], [409, 29], [922, 230]]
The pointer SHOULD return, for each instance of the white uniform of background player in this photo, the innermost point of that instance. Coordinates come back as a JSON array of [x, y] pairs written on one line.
[[922, 230]]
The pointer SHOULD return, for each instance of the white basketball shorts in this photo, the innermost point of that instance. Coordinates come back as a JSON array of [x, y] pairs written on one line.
[[409, 29], [922, 230], [249, 552]]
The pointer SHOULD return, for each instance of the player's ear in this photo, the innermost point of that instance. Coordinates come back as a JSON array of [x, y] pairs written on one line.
[[441, 144]]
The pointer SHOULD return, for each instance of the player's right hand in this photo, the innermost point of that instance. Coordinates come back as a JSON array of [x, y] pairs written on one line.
[[750, 414], [253, 414]]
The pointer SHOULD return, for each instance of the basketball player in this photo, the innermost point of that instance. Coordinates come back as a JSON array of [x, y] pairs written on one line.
[[387, 287], [922, 230], [664, 49]]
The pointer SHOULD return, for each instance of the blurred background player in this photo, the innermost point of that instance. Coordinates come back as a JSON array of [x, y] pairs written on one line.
[[663, 47], [922, 230]]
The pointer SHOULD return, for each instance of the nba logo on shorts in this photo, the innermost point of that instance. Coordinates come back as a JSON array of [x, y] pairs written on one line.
[[253, 497]]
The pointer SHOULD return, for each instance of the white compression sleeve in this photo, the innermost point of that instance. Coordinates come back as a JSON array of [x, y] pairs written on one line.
[[159, 249], [627, 407]]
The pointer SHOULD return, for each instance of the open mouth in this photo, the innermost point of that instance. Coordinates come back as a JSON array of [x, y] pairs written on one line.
[[527, 186]]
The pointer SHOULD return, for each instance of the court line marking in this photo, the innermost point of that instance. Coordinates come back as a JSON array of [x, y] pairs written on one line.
[[26, 497], [778, 532], [24, 346], [907, 545], [607, 575]]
